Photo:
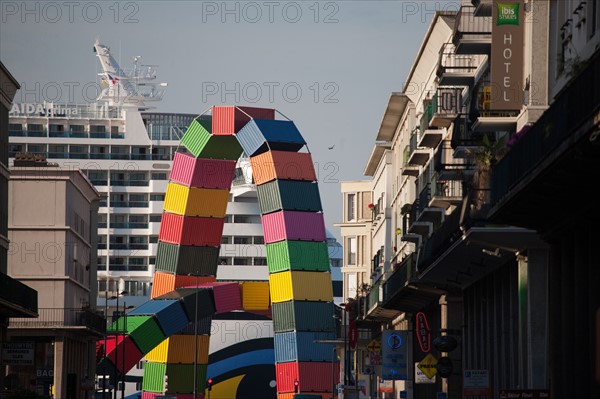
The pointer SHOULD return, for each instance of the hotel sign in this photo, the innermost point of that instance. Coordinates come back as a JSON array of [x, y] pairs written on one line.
[[507, 55]]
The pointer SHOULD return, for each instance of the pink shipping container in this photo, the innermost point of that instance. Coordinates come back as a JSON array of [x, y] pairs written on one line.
[[293, 225], [312, 376], [227, 120], [190, 230], [228, 296], [204, 173], [115, 349], [153, 395]]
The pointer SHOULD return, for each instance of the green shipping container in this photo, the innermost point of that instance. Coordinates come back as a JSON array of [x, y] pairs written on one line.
[[180, 377], [186, 259], [289, 195], [154, 377], [199, 141], [297, 255], [303, 316], [144, 331]]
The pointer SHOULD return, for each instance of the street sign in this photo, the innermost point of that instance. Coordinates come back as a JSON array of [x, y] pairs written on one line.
[[421, 378], [428, 365], [394, 355], [375, 358], [374, 346], [476, 382]]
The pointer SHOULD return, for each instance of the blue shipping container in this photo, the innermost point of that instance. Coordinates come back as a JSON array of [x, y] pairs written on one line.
[[301, 347], [261, 135], [169, 313]]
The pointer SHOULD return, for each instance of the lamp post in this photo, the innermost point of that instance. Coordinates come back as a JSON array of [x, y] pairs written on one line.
[[117, 333], [196, 336]]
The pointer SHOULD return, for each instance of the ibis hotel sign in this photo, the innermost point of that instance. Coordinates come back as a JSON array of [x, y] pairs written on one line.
[[507, 55]]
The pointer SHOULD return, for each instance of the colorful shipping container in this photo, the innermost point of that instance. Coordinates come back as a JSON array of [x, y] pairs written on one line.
[[181, 377], [180, 349], [311, 376], [201, 202], [186, 259], [169, 313], [297, 255], [255, 295], [200, 143], [189, 297], [289, 195], [117, 346], [163, 283], [261, 135], [301, 286], [282, 165], [227, 120], [301, 347], [144, 330], [227, 296], [189, 230], [200, 172], [293, 225], [303, 316]]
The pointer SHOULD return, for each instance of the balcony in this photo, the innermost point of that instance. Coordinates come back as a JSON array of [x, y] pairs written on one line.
[[403, 292], [431, 138], [444, 194], [63, 319], [374, 310], [418, 156], [16, 298], [555, 159], [456, 69], [472, 34], [448, 106], [464, 141], [448, 167]]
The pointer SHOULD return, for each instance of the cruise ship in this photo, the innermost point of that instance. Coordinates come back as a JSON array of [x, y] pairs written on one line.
[[126, 149]]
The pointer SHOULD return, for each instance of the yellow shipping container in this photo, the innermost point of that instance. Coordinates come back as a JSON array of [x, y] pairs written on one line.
[[180, 349], [255, 295], [203, 202], [176, 198], [301, 286]]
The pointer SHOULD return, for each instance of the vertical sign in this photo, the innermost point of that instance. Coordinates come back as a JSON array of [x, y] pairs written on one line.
[[507, 55], [394, 355], [423, 335]]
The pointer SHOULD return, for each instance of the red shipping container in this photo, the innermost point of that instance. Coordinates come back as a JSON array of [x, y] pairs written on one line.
[[227, 120], [293, 225], [115, 348], [290, 395], [286, 165], [153, 395], [163, 283], [311, 376], [200, 172], [190, 230], [228, 296]]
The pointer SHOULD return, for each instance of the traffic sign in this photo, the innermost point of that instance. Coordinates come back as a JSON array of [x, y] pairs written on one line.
[[428, 365], [374, 346], [375, 358]]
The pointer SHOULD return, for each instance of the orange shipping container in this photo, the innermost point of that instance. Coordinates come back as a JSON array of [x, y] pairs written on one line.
[[180, 349], [255, 295], [288, 165], [167, 282], [203, 202]]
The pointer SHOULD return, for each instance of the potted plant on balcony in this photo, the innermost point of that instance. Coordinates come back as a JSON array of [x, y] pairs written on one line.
[[485, 156]]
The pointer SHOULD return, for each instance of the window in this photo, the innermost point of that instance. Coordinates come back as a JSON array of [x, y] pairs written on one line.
[[259, 240], [137, 261], [351, 207], [242, 261], [96, 128], [159, 176], [153, 239], [228, 219], [242, 240], [155, 218], [35, 127], [351, 251], [157, 197], [260, 261], [15, 127], [77, 128], [226, 240]]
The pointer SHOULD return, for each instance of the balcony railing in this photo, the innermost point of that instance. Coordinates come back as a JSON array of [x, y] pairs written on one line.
[[428, 111], [61, 318], [450, 62], [573, 107], [126, 204], [373, 297], [452, 188], [128, 268], [441, 240], [400, 277], [470, 24]]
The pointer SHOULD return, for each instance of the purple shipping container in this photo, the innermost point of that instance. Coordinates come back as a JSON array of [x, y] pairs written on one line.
[[201, 172], [228, 296], [293, 225]]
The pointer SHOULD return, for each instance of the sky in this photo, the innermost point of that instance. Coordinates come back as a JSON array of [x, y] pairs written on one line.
[[330, 66]]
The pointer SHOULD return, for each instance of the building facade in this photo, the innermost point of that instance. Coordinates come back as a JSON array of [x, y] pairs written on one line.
[[496, 126], [16, 299], [53, 236]]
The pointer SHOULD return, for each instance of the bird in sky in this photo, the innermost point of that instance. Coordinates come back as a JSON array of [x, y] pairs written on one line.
[[331, 148]]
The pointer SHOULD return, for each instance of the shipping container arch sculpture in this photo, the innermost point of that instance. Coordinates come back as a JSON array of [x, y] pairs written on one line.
[[299, 292]]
